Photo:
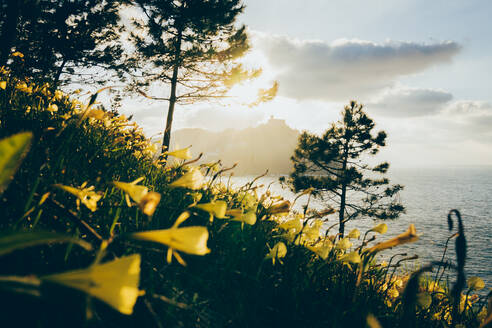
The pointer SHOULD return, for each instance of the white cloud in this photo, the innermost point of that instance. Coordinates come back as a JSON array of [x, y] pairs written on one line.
[[469, 108], [471, 119], [409, 102], [347, 69], [459, 134]]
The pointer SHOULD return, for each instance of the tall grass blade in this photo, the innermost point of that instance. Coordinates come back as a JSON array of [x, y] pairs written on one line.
[[15, 241], [12, 151]]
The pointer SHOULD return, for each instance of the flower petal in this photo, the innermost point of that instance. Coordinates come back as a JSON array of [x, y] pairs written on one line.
[[191, 240], [115, 282]]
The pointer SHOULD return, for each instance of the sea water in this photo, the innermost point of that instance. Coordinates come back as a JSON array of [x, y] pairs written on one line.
[[429, 195]]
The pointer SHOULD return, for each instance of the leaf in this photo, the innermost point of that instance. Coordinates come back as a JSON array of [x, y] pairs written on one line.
[[475, 283], [15, 241], [12, 152], [410, 297], [21, 285], [460, 248]]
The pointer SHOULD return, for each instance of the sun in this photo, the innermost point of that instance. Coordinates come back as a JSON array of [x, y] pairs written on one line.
[[247, 92]]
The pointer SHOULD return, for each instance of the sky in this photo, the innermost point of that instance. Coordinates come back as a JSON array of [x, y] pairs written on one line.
[[421, 68]]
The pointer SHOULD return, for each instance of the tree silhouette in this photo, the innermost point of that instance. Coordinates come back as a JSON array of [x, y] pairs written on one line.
[[334, 165], [192, 46], [62, 41]]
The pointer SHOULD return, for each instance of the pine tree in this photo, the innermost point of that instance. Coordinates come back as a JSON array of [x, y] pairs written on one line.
[[191, 46], [63, 40], [334, 165]]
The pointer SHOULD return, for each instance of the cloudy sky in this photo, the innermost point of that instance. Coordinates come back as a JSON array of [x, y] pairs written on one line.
[[422, 69]]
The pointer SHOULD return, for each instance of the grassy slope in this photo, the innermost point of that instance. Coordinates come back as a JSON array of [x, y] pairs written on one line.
[[233, 286]]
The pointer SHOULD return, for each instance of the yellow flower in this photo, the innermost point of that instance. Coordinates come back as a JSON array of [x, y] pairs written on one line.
[[23, 87], [248, 200], [290, 236], [150, 149], [191, 240], [217, 208], [115, 282], [44, 198], [3, 84], [306, 191], [131, 189], [380, 228], [18, 54], [312, 233], [294, 223], [482, 316], [372, 322], [409, 236], [180, 153], [58, 95], [321, 248], [64, 116], [52, 108], [197, 196], [192, 179], [354, 234], [238, 215], [282, 208], [343, 244], [277, 252], [475, 283], [97, 114], [147, 201], [43, 89], [352, 257], [393, 293], [87, 196], [438, 290]]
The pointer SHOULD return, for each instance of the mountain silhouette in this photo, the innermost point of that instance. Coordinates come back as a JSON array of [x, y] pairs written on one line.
[[256, 149]]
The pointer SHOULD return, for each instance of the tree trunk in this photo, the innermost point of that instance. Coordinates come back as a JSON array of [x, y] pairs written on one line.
[[166, 141], [58, 73], [170, 111], [9, 30], [172, 99], [341, 213]]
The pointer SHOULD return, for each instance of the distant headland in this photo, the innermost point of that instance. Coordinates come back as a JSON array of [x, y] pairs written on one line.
[[266, 146]]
